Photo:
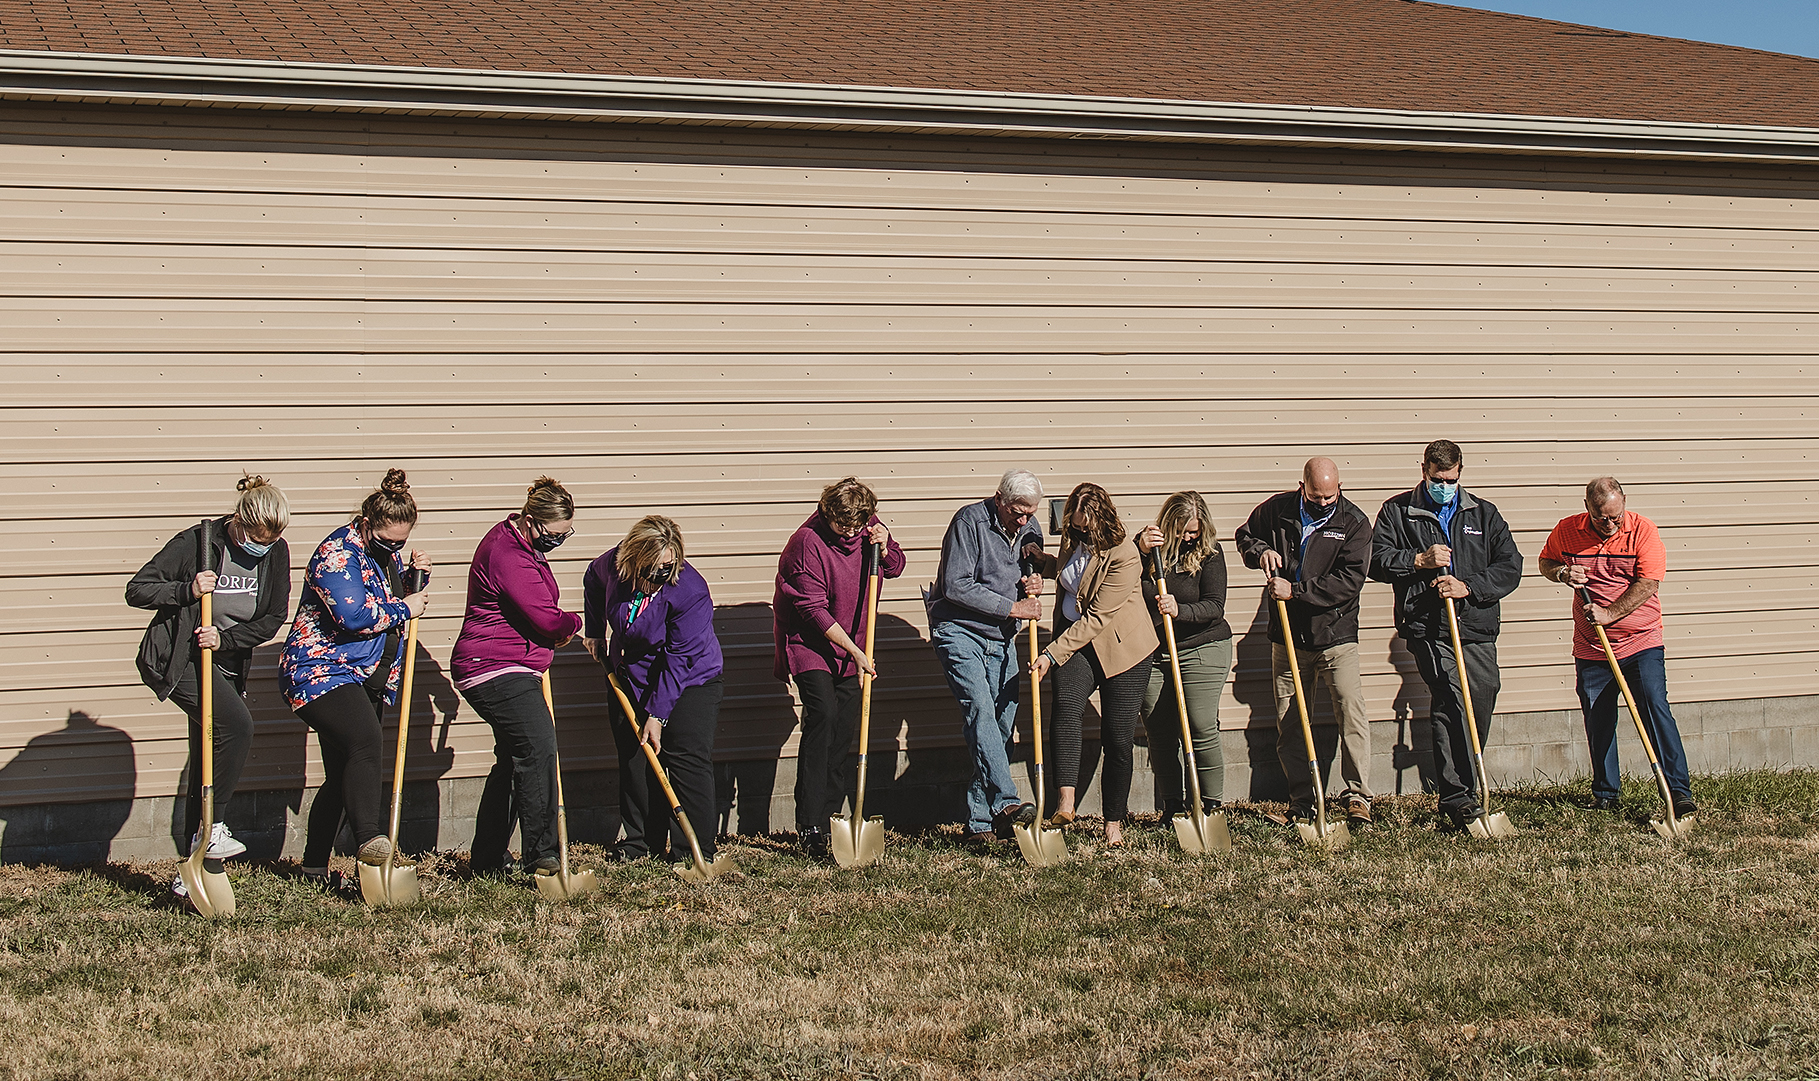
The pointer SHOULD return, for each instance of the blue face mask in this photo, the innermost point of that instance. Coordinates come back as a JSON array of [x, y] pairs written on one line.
[[254, 548], [1441, 492]]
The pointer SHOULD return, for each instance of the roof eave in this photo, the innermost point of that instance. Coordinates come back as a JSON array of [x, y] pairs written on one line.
[[157, 80]]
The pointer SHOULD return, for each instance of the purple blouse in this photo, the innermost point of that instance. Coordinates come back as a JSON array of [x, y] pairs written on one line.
[[668, 648]]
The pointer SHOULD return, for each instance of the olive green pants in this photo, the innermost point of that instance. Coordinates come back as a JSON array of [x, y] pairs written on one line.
[[1203, 673]]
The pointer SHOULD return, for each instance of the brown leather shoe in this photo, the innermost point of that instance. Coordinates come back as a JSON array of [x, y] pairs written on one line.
[[1358, 811], [1061, 818]]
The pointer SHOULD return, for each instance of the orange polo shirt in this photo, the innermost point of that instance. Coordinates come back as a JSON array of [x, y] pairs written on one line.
[[1611, 566]]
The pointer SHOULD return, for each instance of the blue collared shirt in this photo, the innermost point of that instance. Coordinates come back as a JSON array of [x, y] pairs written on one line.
[[1308, 525]]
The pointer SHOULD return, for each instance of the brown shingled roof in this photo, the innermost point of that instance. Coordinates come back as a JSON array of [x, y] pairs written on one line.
[[1383, 54]]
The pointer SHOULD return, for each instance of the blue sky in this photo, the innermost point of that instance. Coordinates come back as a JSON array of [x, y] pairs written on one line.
[[1783, 26]]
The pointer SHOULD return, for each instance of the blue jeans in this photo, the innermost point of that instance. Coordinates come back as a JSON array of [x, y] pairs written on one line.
[[984, 675], [1646, 673]]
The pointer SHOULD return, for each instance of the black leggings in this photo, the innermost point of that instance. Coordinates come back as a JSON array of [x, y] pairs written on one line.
[[688, 759], [233, 741], [520, 789], [830, 714], [346, 722], [1120, 707]]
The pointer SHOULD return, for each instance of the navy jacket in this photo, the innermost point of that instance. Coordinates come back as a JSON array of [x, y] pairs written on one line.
[[1484, 558]]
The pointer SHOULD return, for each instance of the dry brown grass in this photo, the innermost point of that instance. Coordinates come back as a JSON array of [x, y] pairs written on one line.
[[1585, 948]]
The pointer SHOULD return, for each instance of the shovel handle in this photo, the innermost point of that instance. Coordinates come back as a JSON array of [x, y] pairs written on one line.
[[874, 582], [675, 805], [1623, 685], [205, 561], [1307, 727]]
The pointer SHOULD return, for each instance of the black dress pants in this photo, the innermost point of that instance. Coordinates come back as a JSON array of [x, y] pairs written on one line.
[[1455, 778], [1120, 707], [688, 759], [346, 723], [830, 714], [233, 742], [520, 788]]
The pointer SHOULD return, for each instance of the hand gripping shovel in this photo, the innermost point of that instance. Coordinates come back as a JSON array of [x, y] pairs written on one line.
[[1042, 845], [563, 885], [1675, 827], [1197, 831], [1336, 835], [390, 884], [700, 871], [858, 841], [1487, 826], [209, 889]]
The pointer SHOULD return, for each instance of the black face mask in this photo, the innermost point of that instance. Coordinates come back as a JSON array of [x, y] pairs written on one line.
[[661, 576], [549, 542], [1315, 512], [389, 547]]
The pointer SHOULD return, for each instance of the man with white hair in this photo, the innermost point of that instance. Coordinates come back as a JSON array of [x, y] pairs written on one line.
[[982, 590]]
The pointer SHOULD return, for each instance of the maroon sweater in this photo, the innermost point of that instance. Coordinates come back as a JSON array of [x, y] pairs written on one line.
[[512, 615], [819, 584]]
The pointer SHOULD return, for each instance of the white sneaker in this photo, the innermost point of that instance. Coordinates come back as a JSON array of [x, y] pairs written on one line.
[[221, 843], [178, 888]]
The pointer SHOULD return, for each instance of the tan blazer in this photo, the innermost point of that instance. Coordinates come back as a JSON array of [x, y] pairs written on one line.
[[1113, 618]]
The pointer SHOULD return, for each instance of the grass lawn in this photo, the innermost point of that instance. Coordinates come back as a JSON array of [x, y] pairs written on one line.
[[1584, 948]]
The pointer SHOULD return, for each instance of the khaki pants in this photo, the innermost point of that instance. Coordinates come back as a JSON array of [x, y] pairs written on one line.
[[1337, 667]]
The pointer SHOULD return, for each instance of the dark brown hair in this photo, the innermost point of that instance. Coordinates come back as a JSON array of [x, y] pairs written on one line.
[[848, 503], [546, 501], [390, 502], [1442, 454], [1104, 531]]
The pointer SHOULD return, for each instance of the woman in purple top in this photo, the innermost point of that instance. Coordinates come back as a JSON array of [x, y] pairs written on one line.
[[820, 618], [508, 638], [666, 656]]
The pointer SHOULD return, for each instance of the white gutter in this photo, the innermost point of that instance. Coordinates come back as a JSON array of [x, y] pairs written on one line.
[[152, 80]]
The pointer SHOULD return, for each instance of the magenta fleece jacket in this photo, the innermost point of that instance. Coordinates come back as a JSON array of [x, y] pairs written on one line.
[[512, 614], [818, 585]]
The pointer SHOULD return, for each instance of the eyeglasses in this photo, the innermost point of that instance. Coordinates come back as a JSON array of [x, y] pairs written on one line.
[[1610, 518]]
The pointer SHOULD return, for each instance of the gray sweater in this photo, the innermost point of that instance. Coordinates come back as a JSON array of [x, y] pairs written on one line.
[[980, 574]]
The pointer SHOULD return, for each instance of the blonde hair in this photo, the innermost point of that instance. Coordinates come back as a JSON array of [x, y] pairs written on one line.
[[547, 501], [261, 506], [644, 542], [1178, 510], [390, 502]]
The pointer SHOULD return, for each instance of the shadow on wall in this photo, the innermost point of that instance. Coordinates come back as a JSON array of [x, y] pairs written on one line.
[[1414, 747], [427, 754], [271, 787], [760, 705], [80, 832], [1254, 685]]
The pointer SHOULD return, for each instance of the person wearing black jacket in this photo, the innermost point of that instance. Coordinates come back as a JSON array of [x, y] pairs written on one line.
[[1203, 642], [1315, 545], [1437, 540], [252, 592]]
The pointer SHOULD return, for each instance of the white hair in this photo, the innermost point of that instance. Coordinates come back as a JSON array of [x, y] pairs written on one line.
[[1019, 486]]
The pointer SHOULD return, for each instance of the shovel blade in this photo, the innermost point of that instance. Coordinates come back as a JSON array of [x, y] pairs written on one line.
[[1337, 835], [380, 886], [1677, 830], [1041, 847], [701, 875], [209, 891], [856, 844], [1203, 834], [577, 885]]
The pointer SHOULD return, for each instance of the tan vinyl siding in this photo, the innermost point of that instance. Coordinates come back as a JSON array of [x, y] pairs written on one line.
[[713, 325]]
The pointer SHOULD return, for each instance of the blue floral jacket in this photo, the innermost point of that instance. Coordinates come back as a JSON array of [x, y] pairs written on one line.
[[338, 635]]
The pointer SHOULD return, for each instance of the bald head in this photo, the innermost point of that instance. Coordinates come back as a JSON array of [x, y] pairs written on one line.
[[1320, 482]]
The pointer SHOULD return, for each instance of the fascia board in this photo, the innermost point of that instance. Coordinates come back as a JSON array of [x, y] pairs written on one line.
[[119, 79]]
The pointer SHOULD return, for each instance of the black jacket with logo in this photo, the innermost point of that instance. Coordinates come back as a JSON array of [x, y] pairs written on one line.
[[1327, 578], [163, 585], [1484, 558]]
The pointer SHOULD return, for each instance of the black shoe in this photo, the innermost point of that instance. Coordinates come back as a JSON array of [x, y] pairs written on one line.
[[1603, 803], [813, 841], [1208, 805], [1017, 814], [543, 868], [1461, 817], [1301, 814], [1684, 807], [622, 854]]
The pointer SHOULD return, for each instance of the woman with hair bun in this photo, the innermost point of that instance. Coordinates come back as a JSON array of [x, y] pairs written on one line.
[[252, 592], [508, 640], [819, 620], [665, 653], [341, 666], [1103, 641]]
